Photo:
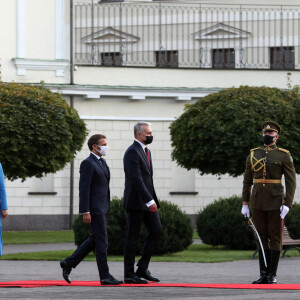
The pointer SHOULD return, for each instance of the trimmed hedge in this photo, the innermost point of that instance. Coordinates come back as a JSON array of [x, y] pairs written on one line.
[[221, 223], [81, 230], [292, 221], [220, 129], [40, 132], [177, 229]]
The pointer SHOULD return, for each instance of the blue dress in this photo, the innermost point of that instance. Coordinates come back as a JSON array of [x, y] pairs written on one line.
[[3, 203]]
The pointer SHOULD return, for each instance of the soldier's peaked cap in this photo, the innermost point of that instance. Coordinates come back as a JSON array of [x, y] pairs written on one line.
[[270, 126]]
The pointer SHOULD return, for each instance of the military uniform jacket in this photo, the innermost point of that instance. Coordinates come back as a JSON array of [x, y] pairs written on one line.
[[269, 163]]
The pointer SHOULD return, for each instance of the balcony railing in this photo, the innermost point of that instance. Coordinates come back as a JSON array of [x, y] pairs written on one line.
[[175, 34]]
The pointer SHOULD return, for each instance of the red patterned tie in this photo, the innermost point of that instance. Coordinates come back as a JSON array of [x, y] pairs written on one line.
[[147, 155]]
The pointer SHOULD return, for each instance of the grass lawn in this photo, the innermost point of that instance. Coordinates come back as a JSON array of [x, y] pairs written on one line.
[[195, 234], [195, 253], [32, 237]]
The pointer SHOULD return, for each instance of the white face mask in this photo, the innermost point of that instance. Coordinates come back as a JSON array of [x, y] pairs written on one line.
[[103, 151]]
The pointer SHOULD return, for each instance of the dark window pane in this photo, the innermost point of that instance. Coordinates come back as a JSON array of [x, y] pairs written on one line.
[[282, 58], [111, 59], [223, 58], [166, 59]]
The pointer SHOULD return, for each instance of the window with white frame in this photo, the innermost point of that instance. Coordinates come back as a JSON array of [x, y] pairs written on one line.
[[183, 181], [42, 186]]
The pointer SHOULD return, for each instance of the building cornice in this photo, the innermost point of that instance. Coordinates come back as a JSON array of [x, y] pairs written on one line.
[[127, 118], [132, 92]]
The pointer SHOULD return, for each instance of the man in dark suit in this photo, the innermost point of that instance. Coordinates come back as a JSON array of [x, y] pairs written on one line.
[[94, 199], [141, 204]]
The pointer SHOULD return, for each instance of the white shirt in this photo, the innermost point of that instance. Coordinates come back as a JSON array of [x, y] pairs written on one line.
[[151, 202], [97, 156]]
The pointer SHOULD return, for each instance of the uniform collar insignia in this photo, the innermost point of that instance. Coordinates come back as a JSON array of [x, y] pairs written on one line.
[[269, 148]]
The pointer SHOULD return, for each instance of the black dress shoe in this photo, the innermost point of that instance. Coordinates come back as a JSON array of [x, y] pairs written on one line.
[[111, 280], [66, 271], [261, 280], [272, 279], [135, 280], [146, 274]]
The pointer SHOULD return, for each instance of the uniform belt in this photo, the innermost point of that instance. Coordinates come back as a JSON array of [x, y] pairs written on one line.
[[267, 180]]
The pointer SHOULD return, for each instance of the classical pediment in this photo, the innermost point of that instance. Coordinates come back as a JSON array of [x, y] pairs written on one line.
[[220, 31], [109, 35]]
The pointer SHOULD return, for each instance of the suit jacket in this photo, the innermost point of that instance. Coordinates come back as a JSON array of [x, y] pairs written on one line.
[[3, 203], [139, 188], [94, 193]]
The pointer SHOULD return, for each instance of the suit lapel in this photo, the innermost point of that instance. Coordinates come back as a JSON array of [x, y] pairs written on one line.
[[105, 167], [102, 165]]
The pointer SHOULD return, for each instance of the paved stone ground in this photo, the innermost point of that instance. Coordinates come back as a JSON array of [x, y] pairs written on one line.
[[229, 272]]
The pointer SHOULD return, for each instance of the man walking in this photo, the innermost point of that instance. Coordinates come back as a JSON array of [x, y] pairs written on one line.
[[265, 167], [94, 199], [141, 204]]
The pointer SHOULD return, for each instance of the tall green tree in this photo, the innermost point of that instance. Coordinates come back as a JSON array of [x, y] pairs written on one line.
[[39, 132], [215, 134]]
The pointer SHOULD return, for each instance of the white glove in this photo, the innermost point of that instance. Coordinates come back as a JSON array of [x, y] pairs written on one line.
[[245, 210], [284, 210]]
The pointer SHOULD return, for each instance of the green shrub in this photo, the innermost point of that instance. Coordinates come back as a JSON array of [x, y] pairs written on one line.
[[220, 129], [177, 230], [221, 223], [292, 221], [81, 230], [40, 132], [116, 227]]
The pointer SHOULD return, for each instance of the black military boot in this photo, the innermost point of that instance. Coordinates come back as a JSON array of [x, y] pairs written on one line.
[[263, 270], [275, 254], [268, 258]]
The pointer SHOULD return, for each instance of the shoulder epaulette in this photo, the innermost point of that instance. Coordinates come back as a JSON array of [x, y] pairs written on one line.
[[284, 150], [255, 149]]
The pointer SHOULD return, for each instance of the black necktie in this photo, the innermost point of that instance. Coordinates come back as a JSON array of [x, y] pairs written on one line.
[[103, 165]]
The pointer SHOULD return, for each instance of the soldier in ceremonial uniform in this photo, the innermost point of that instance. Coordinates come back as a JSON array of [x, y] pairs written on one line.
[[264, 169]]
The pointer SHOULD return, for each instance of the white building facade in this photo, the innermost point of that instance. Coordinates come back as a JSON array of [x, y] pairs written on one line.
[[136, 61]]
